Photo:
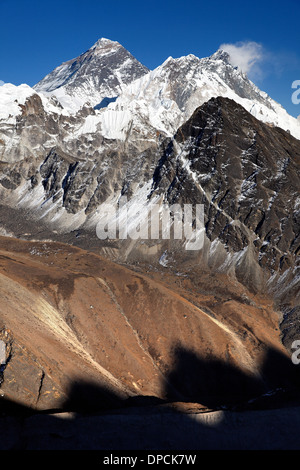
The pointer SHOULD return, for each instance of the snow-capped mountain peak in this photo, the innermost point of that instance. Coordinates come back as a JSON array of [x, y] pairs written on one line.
[[221, 55], [97, 74], [104, 43], [167, 96]]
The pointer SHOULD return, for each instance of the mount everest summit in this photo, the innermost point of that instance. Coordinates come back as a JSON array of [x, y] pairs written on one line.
[[100, 73]]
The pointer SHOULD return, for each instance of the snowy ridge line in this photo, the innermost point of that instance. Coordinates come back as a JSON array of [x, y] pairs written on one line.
[[138, 99]]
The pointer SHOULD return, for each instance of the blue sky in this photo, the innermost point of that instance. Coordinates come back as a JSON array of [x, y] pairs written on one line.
[[37, 36]]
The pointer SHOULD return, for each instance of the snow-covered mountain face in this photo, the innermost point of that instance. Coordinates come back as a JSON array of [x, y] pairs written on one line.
[[167, 96], [124, 101], [29, 123], [192, 130], [109, 77], [95, 77]]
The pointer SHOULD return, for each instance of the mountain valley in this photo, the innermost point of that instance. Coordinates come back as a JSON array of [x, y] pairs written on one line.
[[93, 325]]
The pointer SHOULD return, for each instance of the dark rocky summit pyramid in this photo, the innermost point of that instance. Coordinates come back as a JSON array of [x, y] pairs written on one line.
[[98, 74]]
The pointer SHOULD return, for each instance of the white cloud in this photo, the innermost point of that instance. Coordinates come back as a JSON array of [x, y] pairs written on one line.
[[246, 56], [1, 82]]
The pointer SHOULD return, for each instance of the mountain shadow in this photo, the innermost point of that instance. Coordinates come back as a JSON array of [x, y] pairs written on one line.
[[215, 383], [249, 413]]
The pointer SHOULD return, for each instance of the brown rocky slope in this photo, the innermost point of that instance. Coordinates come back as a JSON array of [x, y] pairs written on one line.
[[69, 316]]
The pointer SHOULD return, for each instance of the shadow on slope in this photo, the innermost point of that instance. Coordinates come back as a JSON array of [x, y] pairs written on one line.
[[266, 409], [217, 384]]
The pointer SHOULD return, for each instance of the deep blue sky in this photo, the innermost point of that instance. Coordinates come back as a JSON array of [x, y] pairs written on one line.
[[36, 36]]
